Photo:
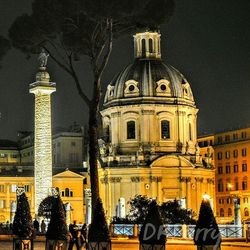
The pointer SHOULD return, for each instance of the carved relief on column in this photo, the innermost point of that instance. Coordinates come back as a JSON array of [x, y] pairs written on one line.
[[199, 179], [137, 179], [115, 179], [210, 180], [185, 179]]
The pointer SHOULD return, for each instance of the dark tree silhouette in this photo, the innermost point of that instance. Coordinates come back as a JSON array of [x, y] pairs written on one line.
[[71, 29], [23, 225], [152, 228], [98, 230], [4, 47], [57, 228], [45, 207], [206, 230], [171, 212]]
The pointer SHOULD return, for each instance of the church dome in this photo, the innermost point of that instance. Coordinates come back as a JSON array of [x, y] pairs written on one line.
[[148, 78]]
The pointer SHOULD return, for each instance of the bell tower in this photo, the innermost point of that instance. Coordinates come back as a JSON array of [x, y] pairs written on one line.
[[42, 88], [147, 45]]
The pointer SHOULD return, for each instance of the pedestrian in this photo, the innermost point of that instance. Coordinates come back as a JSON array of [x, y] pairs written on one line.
[[84, 231], [74, 236], [36, 225], [43, 227]]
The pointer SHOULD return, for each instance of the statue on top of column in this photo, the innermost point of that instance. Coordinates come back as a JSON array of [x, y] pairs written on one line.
[[43, 58]]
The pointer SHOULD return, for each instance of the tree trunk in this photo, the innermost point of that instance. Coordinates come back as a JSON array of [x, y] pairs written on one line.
[[93, 141]]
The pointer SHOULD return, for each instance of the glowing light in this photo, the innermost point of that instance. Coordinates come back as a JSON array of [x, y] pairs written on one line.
[[206, 197]]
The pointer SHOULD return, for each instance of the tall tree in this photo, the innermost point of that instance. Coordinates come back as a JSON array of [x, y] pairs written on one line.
[[71, 29], [23, 225]]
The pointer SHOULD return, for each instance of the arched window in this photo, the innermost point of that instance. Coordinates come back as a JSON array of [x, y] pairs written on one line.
[[165, 129], [190, 132], [221, 212], [143, 47], [66, 192], [246, 212], [150, 41], [229, 212], [131, 130], [244, 183]]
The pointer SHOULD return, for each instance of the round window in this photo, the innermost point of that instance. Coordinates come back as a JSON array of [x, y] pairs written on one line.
[[131, 88], [163, 87]]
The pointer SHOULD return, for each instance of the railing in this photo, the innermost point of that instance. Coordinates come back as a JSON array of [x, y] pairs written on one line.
[[231, 231], [174, 230], [124, 229], [179, 231]]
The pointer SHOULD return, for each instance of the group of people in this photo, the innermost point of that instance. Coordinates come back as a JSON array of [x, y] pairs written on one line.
[[78, 237], [36, 225]]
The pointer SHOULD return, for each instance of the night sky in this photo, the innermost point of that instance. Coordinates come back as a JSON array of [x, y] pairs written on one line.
[[208, 42]]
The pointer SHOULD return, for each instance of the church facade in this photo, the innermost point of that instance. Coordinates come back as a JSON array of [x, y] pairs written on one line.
[[150, 145]]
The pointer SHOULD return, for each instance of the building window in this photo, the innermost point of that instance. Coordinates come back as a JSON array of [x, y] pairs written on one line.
[[3, 155], [229, 200], [1, 188], [227, 154], [190, 132], [227, 138], [62, 193], [221, 201], [27, 188], [244, 183], [246, 212], [220, 186], [220, 170], [150, 41], [219, 139], [227, 169], [229, 212], [13, 188], [245, 200], [235, 153], [165, 131], [66, 192], [244, 152], [219, 156], [235, 137], [2, 203], [244, 167], [236, 169], [243, 134], [131, 130], [143, 48], [221, 212]]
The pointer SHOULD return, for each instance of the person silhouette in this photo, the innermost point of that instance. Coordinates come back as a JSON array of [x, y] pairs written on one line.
[[74, 236]]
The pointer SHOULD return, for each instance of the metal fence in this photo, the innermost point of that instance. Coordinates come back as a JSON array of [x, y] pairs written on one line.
[[174, 230]]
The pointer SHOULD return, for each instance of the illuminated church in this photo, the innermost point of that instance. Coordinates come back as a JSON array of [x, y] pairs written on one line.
[[149, 119]]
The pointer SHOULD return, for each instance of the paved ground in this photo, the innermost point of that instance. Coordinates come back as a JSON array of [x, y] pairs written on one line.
[[170, 246]]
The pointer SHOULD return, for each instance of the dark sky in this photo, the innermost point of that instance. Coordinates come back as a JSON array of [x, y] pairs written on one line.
[[208, 42]]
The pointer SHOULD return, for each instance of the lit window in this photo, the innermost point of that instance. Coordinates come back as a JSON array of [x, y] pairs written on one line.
[[131, 130], [2, 203], [244, 183], [73, 144], [236, 169], [244, 167], [235, 153], [235, 137], [244, 152], [27, 188], [219, 156], [227, 138], [246, 212], [220, 170], [219, 139], [221, 212], [227, 169], [229, 212], [13, 188], [165, 132], [227, 154], [243, 135], [66, 192]]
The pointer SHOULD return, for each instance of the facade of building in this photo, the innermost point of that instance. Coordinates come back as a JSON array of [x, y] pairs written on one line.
[[231, 161], [70, 184], [150, 135]]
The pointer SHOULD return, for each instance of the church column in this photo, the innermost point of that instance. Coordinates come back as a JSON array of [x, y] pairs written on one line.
[[159, 189], [188, 194]]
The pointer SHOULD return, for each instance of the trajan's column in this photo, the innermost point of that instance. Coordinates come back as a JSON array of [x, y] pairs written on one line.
[[42, 88]]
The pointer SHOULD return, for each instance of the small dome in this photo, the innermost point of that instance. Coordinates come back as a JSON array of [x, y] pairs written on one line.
[[148, 78]]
